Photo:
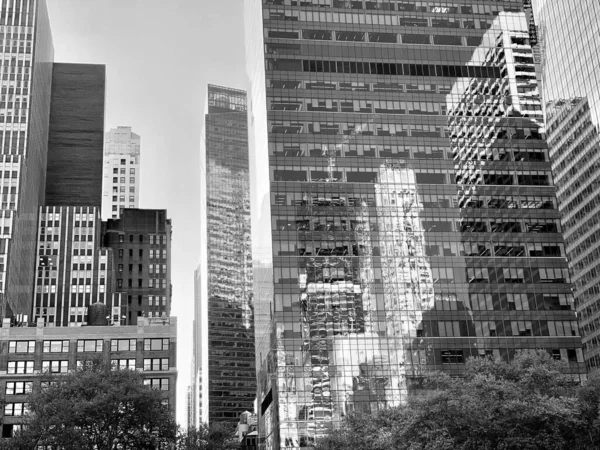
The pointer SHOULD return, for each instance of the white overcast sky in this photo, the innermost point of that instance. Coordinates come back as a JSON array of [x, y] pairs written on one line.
[[160, 55]]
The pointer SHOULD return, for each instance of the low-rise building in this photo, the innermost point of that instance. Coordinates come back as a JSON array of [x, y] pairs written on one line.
[[27, 352]]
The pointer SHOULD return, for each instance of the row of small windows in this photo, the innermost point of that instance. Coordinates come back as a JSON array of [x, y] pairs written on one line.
[[354, 198], [402, 5], [366, 175], [87, 345], [152, 283], [383, 68], [369, 128], [373, 37], [62, 366], [123, 171], [122, 180], [359, 86], [445, 21], [320, 150], [429, 224], [153, 239], [153, 253]]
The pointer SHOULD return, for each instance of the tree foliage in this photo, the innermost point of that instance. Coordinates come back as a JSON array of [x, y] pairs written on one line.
[[214, 437], [529, 404], [96, 407]]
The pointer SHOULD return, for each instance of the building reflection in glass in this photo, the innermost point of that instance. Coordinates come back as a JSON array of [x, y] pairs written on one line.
[[225, 300], [411, 209], [569, 49]]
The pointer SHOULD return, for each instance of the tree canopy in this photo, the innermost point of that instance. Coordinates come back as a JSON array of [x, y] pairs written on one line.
[[531, 403], [96, 407], [216, 437]]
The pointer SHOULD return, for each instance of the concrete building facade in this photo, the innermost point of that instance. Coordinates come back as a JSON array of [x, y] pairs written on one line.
[[121, 172], [28, 352], [24, 117]]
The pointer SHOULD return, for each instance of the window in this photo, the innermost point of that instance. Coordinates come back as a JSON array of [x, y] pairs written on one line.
[[123, 364], [132, 180], [21, 347], [132, 171], [18, 387], [94, 345], [156, 344], [20, 367], [15, 409], [452, 357], [122, 345], [123, 161], [156, 364], [56, 346], [162, 384], [55, 366]]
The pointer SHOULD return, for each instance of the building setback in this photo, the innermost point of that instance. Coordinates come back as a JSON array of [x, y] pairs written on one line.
[[141, 244], [403, 199], [227, 381], [121, 172], [571, 84], [25, 353], [26, 68], [75, 142]]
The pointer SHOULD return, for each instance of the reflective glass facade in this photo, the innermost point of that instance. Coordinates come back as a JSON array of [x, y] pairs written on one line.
[[228, 380], [571, 47], [402, 199], [26, 66]]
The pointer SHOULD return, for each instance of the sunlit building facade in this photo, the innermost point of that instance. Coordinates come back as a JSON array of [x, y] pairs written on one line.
[[571, 90], [121, 172], [225, 335], [26, 67], [403, 201]]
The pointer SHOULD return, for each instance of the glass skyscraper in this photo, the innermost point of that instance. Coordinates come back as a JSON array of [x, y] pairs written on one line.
[[225, 335], [570, 49], [402, 199]]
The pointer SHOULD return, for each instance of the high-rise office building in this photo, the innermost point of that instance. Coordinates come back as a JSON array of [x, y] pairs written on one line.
[[225, 272], [74, 271], [26, 67], [141, 243], [75, 142], [402, 198], [121, 177], [570, 47]]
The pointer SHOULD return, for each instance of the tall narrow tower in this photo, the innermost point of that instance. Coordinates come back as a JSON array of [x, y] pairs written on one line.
[[26, 67], [224, 298], [403, 200], [121, 174]]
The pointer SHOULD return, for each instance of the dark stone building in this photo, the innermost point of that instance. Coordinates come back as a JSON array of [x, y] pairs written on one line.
[[141, 243], [76, 137]]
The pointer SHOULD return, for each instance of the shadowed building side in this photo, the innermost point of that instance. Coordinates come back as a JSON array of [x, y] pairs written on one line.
[[76, 137]]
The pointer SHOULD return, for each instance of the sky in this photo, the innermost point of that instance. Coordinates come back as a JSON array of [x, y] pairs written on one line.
[[159, 56]]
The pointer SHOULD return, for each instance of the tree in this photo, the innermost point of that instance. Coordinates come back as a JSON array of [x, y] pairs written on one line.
[[531, 403], [214, 437], [96, 407]]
